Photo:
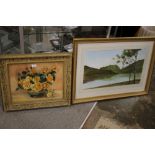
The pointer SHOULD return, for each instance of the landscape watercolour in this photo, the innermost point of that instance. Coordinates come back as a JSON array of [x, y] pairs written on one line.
[[113, 68]]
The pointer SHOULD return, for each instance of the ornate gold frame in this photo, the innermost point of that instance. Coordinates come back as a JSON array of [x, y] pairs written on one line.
[[101, 40], [5, 60]]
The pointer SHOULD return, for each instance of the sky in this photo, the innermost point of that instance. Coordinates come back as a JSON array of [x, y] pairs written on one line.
[[100, 59]]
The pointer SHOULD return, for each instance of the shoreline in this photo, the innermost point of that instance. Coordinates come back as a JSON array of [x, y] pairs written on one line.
[[117, 84]]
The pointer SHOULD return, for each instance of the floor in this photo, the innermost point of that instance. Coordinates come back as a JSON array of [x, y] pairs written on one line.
[[50, 118], [127, 113]]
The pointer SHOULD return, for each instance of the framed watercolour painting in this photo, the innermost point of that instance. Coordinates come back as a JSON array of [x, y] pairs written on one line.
[[111, 68], [35, 80]]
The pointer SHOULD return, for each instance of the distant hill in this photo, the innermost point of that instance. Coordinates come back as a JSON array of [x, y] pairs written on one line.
[[91, 73], [90, 70], [138, 64], [112, 68]]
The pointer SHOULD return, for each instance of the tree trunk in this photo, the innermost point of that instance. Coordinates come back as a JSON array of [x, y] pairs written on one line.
[[130, 73], [129, 77], [134, 74], [135, 69]]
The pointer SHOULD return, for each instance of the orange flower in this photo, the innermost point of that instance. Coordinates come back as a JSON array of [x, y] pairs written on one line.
[[33, 70], [49, 78], [46, 85]]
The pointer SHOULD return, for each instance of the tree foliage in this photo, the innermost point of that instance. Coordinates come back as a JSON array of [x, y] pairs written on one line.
[[128, 57]]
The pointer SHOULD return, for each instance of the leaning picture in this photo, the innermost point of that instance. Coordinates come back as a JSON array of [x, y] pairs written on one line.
[[35, 80], [111, 68]]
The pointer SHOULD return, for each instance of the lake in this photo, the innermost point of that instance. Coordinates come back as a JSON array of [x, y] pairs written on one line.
[[108, 81]]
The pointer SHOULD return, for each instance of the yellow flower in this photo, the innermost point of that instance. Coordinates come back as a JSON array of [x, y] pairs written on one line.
[[38, 86], [32, 86], [28, 78], [26, 84], [36, 79]]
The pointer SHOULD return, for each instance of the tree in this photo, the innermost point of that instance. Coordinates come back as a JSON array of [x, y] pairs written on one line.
[[128, 57], [132, 55]]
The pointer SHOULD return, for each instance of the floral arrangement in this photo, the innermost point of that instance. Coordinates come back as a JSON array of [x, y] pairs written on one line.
[[37, 83]]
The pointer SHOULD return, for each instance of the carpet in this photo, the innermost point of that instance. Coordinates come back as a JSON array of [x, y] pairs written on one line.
[[70, 117], [127, 113]]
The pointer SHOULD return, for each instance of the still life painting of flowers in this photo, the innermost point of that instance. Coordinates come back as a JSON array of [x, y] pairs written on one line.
[[39, 83], [35, 81]]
